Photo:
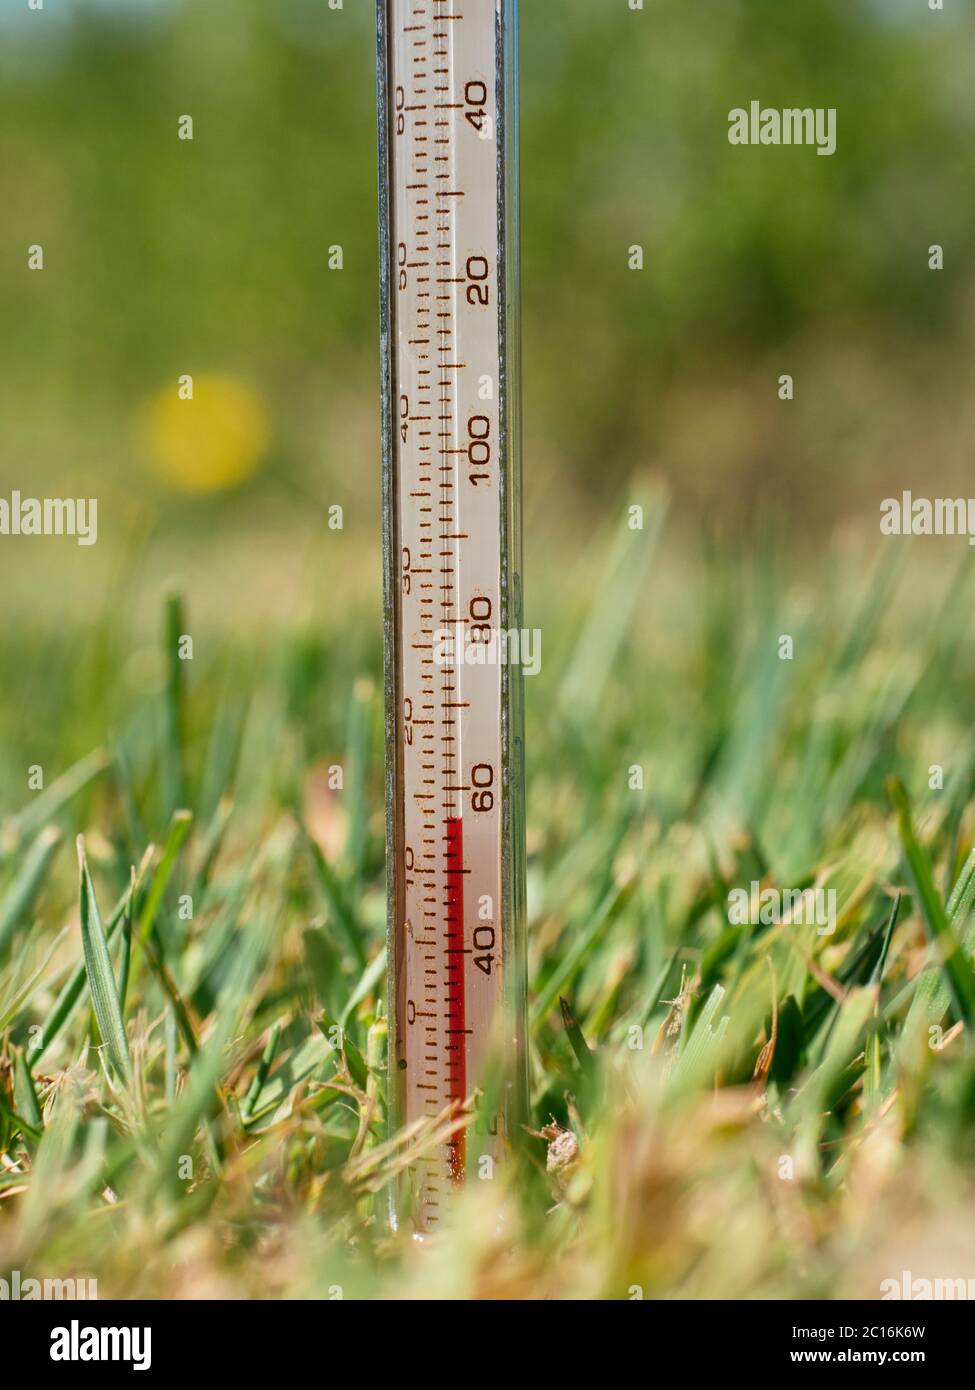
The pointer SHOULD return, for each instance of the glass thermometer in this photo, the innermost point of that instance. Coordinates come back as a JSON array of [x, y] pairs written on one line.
[[452, 575]]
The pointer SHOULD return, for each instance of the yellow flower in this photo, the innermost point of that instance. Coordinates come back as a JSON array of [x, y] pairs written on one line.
[[210, 440]]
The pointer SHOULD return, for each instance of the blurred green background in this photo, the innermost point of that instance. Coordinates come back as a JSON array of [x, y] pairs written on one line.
[[210, 257]]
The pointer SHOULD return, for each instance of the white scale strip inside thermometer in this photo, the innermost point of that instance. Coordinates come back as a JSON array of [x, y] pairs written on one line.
[[452, 582]]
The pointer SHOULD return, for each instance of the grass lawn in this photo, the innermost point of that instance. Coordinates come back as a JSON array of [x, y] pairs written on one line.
[[192, 1059]]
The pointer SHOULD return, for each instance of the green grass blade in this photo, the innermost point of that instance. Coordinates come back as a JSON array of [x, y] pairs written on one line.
[[340, 914], [956, 965], [50, 802], [303, 1062], [573, 959], [260, 1075], [179, 828], [370, 978], [608, 621], [22, 893], [25, 1097], [201, 1095], [171, 777], [101, 979], [932, 994], [18, 993], [71, 992], [576, 1038], [356, 781]]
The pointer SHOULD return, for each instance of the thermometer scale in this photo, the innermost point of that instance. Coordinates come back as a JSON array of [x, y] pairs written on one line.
[[452, 575]]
